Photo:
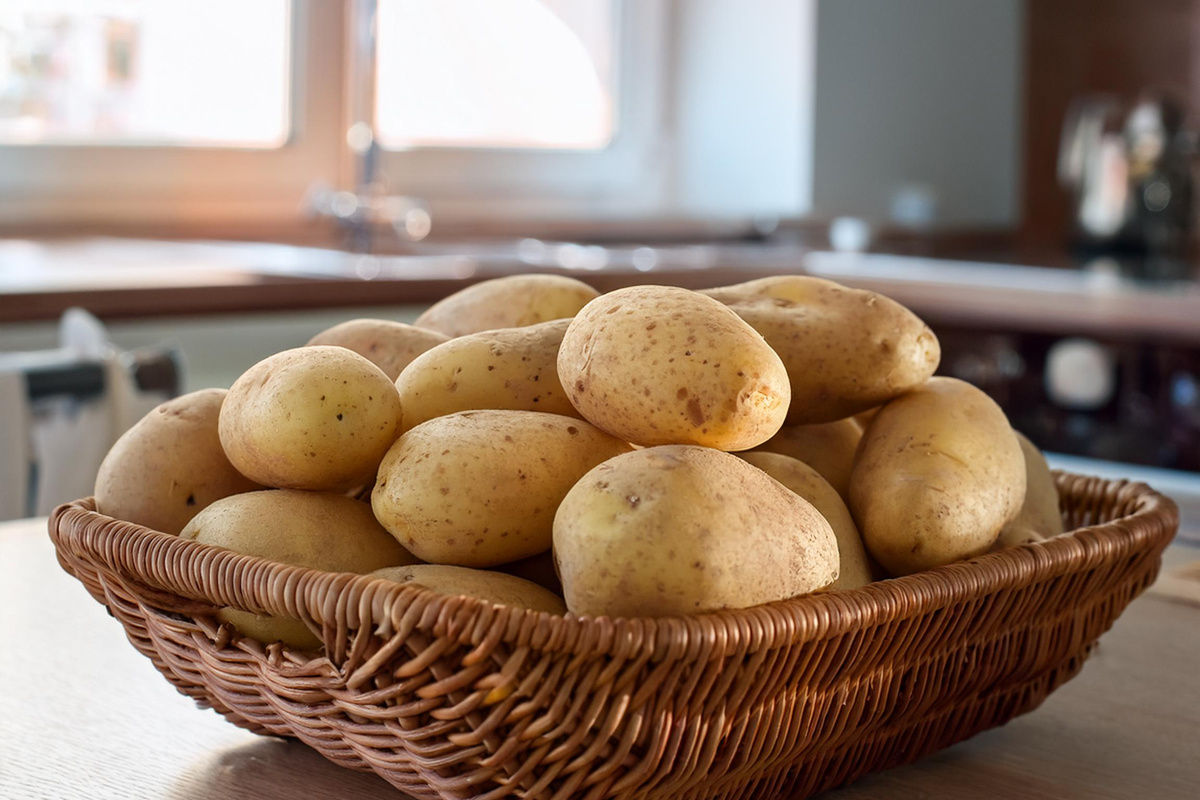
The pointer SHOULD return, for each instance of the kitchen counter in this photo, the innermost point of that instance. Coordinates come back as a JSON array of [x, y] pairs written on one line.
[[120, 279], [128, 279], [83, 715]]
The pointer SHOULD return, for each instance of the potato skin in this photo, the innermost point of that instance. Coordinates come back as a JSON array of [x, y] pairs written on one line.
[[266, 629], [479, 488], [1040, 517], [680, 529], [938, 474], [316, 418], [863, 418], [391, 346], [826, 447], [854, 566], [659, 365], [318, 530], [170, 466], [492, 587], [845, 349], [510, 302], [510, 368]]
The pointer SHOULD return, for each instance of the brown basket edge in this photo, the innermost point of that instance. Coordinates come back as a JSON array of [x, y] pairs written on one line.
[[296, 591]]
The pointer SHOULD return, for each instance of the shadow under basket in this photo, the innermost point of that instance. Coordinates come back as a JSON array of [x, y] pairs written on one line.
[[451, 697]]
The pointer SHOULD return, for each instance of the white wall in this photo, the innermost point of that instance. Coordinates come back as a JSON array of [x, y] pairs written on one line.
[[918, 92], [744, 106], [828, 107]]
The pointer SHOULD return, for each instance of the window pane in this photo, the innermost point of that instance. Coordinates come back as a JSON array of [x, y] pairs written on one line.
[[495, 73], [144, 72]]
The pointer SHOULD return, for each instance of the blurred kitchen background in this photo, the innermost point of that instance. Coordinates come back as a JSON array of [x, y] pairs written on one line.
[[186, 188]]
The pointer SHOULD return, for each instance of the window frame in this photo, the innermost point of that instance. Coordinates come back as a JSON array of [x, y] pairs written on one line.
[[630, 175], [157, 184]]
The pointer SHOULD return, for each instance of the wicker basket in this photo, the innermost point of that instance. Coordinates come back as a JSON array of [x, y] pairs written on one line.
[[450, 697]]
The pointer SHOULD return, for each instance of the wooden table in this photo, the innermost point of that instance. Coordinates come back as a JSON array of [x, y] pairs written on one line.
[[83, 715]]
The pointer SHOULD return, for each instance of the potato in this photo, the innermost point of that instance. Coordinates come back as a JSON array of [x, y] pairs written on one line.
[[492, 587], [511, 302], [939, 473], [854, 567], [863, 418], [511, 368], [310, 418], [292, 632], [826, 447], [169, 466], [846, 350], [539, 569], [1039, 518], [391, 346], [659, 365], [318, 530], [479, 488], [680, 529]]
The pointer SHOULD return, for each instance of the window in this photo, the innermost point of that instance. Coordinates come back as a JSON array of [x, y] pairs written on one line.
[[232, 113], [495, 73], [512, 109], [160, 111], [152, 113], [126, 72]]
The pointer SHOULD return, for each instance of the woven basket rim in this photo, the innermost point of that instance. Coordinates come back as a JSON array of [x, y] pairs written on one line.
[[336, 602]]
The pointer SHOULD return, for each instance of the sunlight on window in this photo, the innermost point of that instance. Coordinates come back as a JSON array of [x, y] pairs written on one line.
[[495, 73], [145, 72]]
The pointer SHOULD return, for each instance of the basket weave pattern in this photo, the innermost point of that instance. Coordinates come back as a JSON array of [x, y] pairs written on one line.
[[450, 697]]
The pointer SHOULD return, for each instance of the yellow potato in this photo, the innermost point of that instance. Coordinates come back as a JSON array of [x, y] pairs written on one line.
[[511, 368], [863, 418], [826, 447], [391, 346], [511, 302], [939, 473], [681, 530], [493, 587], [846, 350], [659, 365], [169, 466], [318, 530], [479, 488], [292, 632], [310, 418], [1040, 517], [855, 568]]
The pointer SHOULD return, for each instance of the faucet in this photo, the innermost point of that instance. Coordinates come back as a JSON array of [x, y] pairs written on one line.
[[368, 208]]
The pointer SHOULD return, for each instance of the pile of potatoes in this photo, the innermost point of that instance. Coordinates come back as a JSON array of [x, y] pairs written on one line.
[[648, 452]]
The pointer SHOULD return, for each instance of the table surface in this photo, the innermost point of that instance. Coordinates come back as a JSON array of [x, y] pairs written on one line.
[[83, 715]]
